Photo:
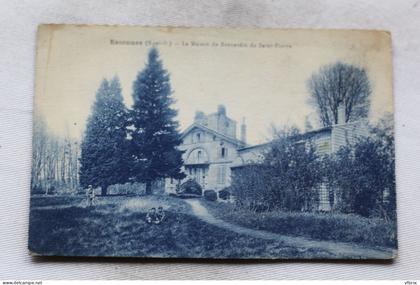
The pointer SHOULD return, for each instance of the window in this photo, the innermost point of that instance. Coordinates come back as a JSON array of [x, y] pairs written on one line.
[[223, 152], [198, 137], [199, 156], [221, 174]]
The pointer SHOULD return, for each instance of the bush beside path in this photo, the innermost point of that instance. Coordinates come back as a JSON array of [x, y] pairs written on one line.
[[337, 249]]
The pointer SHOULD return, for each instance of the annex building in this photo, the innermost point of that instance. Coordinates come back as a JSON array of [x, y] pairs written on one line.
[[213, 150]]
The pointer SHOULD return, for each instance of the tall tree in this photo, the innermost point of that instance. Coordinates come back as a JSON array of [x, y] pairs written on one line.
[[154, 131], [103, 160], [337, 84]]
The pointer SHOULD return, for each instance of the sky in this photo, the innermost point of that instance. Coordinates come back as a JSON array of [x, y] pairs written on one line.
[[259, 75]]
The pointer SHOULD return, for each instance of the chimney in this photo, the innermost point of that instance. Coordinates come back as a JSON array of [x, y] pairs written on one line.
[[243, 130], [341, 114], [199, 117], [221, 110]]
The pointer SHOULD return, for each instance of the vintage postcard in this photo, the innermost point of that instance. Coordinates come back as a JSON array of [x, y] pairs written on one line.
[[213, 143]]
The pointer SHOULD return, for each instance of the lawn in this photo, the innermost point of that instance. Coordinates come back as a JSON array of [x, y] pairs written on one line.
[[56, 200], [116, 226], [320, 226]]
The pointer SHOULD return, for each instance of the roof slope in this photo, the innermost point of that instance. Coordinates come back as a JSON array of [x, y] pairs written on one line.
[[235, 141]]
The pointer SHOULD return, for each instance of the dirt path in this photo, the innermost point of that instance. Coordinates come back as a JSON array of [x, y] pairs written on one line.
[[340, 249]]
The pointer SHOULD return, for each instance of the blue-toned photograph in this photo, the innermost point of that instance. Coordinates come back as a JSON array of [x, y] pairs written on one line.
[[213, 144]]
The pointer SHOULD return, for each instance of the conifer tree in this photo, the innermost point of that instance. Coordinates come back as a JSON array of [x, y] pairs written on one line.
[[104, 147], [155, 134]]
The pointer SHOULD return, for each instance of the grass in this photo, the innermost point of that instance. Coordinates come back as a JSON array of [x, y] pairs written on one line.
[[320, 226], [116, 227], [42, 200]]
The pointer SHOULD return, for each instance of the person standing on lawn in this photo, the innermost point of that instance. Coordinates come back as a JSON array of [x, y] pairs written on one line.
[[90, 195]]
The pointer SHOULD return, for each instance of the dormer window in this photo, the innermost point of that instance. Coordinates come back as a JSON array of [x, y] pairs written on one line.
[[198, 137]]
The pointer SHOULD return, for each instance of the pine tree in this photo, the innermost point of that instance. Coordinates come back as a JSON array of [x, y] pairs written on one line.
[[104, 147], [155, 134]]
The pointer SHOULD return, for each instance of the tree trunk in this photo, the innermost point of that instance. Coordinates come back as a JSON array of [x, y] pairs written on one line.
[[148, 187], [103, 190]]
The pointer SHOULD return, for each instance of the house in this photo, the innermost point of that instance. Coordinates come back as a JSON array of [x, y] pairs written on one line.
[[210, 146], [213, 150]]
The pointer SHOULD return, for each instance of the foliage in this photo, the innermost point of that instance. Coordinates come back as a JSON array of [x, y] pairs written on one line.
[[190, 187], [36, 189], [337, 84], [225, 193], [286, 179], [364, 174], [210, 195], [251, 185], [360, 176], [154, 131], [328, 226], [127, 188], [296, 171], [103, 150], [383, 132]]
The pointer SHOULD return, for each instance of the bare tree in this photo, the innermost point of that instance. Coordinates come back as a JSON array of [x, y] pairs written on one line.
[[39, 147], [337, 84], [54, 160]]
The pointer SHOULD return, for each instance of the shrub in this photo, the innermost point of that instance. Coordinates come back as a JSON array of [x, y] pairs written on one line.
[[364, 174], [185, 195], [250, 185], [210, 195], [36, 189], [330, 226], [295, 169], [52, 190], [286, 179], [128, 188], [224, 194], [190, 187]]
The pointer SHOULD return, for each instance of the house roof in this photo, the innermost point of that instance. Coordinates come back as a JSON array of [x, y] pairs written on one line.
[[305, 135], [317, 131], [216, 133], [255, 146]]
